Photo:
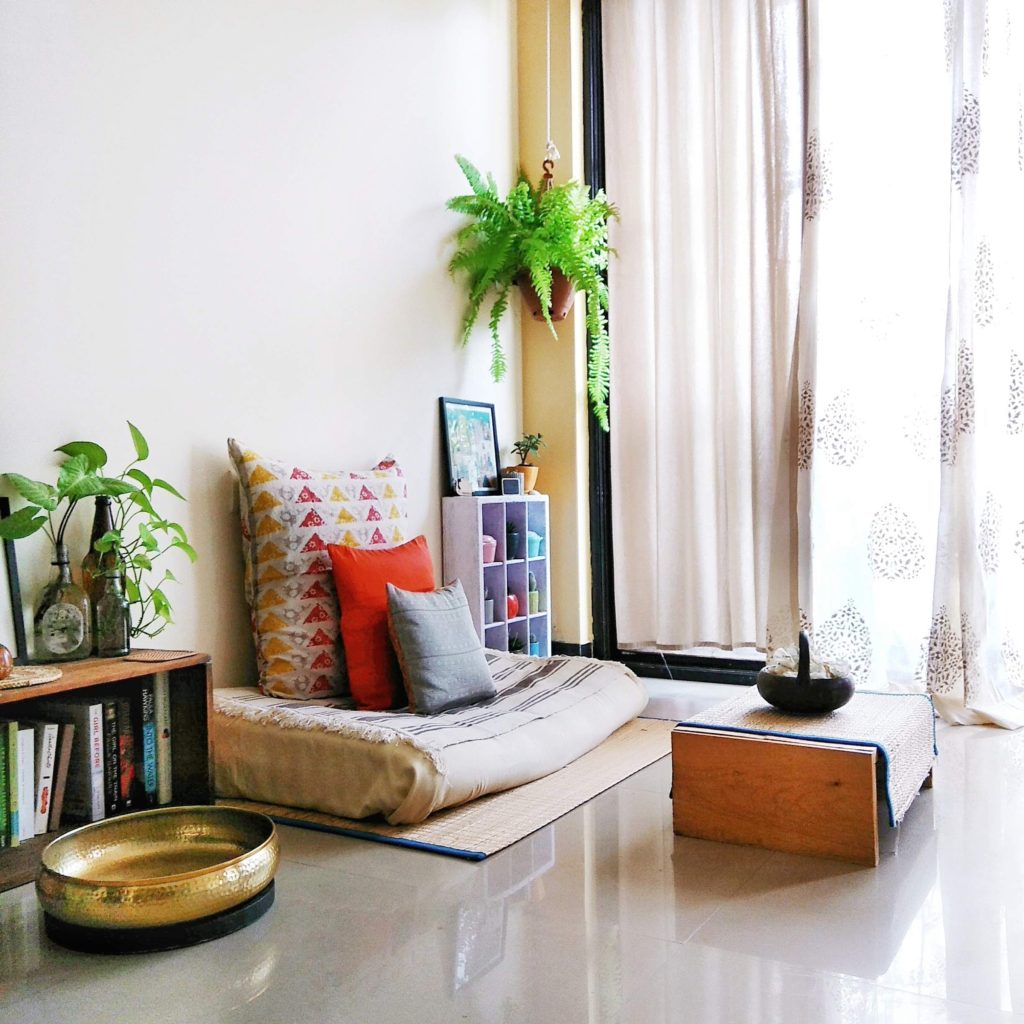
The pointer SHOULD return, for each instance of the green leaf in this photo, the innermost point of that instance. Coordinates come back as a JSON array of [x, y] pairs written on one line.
[[160, 604], [179, 530], [87, 487], [164, 485], [22, 523], [142, 562], [140, 499], [43, 495], [187, 548], [141, 445], [110, 540], [132, 592], [168, 575], [141, 479], [149, 542], [94, 454], [117, 488], [72, 472]]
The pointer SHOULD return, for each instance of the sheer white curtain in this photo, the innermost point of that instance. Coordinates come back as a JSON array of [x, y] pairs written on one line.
[[911, 349], [703, 107]]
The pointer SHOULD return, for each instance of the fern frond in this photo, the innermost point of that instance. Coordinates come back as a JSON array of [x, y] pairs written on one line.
[[498, 364]]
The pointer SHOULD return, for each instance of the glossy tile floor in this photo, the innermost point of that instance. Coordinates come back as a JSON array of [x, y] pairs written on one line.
[[603, 917]]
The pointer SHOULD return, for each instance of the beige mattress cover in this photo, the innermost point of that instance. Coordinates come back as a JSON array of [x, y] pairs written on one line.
[[323, 756]]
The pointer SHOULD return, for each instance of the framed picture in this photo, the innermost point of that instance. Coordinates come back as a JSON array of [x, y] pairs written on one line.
[[471, 446], [12, 618]]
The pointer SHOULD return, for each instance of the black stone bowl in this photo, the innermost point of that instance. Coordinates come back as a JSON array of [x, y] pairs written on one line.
[[801, 693], [810, 696]]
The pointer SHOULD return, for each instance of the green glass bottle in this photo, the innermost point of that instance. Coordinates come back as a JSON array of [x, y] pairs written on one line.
[[110, 615], [94, 563], [63, 621]]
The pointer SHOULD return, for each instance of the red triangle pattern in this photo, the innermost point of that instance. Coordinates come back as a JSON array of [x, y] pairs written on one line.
[[320, 684], [317, 590], [317, 615], [305, 495], [300, 474], [320, 639], [245, 530], [322, 660], [373, 516], [318, 566], [366, 494], [315, 544], [313, 518], [377, 538]]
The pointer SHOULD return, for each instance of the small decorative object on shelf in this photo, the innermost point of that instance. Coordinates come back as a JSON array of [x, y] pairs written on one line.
[[512, 537], [534, 646], [513, 606], [527, 445], [532, 594], [110, 615], [488, 608], [62, 621], [490, 547], [6, 662], [515, 645]]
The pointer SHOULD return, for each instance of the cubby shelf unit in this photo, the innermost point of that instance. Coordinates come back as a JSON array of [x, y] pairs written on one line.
[[465, 522]]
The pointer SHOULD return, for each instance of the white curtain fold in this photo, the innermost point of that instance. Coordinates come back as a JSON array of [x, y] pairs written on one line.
[[703, 111]]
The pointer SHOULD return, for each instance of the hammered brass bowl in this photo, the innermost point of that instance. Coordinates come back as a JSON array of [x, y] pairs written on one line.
[[161, 867]]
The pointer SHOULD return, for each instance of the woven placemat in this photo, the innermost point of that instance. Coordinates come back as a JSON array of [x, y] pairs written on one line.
[[155, 655], [30, 675]]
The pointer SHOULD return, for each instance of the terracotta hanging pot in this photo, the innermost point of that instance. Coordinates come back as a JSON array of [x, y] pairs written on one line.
[[563, 292]]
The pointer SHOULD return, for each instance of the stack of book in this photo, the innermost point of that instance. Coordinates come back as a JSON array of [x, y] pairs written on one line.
[[82, 758]]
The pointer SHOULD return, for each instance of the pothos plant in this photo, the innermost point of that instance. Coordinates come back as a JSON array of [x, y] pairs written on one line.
[[531, 231], [140, 534]]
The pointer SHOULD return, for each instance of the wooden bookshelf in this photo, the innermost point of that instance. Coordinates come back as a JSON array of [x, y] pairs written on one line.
[[191, 691]]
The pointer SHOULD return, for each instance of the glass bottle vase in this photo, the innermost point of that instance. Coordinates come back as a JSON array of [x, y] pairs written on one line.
[[62, 624]]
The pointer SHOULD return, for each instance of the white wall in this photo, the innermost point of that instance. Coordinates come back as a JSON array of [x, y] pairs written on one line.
[[225, 217]]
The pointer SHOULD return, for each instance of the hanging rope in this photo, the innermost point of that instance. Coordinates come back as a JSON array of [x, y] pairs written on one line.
[[550, 150]]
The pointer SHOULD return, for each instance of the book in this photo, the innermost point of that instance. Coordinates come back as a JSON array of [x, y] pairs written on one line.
[[125, 755], [12, 828], [144, 714], [83, 795], [5, 822], [162, 702], [46, 757], [65, 741], [26, 781], [111, 758]]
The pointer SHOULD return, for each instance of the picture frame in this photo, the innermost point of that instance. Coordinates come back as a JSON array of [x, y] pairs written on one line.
[[470, 436], [12, 616]]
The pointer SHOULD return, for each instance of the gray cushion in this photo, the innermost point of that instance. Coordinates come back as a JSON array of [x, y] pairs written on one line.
[[441, 657]]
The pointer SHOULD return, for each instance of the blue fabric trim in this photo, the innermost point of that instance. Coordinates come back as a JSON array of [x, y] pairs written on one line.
[[831, 739], [374, 837]]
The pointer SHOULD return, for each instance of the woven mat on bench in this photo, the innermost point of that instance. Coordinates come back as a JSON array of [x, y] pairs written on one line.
[[900, 725]]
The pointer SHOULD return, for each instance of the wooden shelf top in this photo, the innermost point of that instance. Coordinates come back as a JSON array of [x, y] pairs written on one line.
[[76, 675]]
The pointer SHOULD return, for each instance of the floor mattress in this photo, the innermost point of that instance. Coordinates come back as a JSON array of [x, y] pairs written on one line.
[[323, 756]]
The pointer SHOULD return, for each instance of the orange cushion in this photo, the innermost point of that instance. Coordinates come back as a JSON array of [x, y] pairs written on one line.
[[362, 576]]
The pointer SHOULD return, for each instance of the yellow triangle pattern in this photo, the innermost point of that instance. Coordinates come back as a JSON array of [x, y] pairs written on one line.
[[394, 513], [271, 574], [265, 502], [349, 540], [396, 536], [249, 456], [260, 475], [344, 516], [338, 495], [280, 667], [276, 646], [269, 551], [268, 525], [389, 492], [271, 622], [270, 600]]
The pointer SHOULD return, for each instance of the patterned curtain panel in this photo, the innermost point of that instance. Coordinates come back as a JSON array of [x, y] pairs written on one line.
[[911, 351]]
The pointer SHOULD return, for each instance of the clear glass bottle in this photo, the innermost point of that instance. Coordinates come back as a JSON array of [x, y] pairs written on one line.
[[94, 562], [62, 623], [110, 615]]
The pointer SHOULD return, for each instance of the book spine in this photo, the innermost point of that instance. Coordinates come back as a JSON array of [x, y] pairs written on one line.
[[65, 743], [95, 747], [5, 824], [26, 783], [46, 757], [125, 755], [13, 817], [145, 745], [111, 764], [162, 701]]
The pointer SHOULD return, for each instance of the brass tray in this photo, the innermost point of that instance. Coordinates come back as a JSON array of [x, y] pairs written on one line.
[[160, 867]]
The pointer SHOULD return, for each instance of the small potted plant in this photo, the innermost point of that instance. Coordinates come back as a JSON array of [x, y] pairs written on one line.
[[551, 241], [527, 445]]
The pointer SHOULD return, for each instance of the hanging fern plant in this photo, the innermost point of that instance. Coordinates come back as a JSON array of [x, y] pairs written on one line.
[[533, 232]]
